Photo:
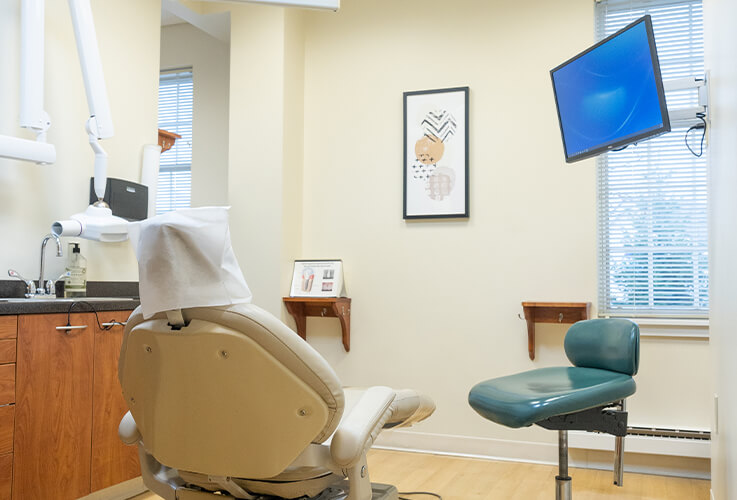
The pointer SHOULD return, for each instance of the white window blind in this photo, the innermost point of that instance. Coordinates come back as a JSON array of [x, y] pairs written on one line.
[[653, 241], [176, 100]]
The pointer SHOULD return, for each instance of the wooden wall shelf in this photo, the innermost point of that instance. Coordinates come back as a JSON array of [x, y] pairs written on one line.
[[330, 307], [551, 312], [167, 139]]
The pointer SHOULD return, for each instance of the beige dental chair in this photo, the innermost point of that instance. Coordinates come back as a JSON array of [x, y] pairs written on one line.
[[227, 402]]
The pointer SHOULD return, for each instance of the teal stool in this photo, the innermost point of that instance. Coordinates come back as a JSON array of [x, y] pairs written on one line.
[[590, 395]]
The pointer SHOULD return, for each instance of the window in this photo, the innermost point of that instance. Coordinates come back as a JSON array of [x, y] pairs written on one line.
[[176, 97], [653, 247]]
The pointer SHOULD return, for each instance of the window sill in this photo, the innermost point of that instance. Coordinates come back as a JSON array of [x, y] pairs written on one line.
[[689, 322], [688, 328]]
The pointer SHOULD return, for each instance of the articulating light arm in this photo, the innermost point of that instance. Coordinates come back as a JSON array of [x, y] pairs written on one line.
[[100, 124], [100, 160], [32, 114], [97, 222]]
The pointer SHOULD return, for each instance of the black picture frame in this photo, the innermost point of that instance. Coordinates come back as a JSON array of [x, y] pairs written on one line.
[[435, 164]]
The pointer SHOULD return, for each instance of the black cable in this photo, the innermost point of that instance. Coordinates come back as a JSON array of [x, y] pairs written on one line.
[[418, 493], [97, 318], [700, 116], [621, 149]]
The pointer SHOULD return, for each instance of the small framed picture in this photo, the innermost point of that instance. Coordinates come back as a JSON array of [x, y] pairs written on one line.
[[436, 153], [317, 278]]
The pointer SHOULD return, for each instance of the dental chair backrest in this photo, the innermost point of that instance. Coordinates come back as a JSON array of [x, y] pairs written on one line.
[[607, 344], [234, 392]]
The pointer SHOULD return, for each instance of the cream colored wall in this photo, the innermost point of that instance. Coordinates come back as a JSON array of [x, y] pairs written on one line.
[[264, 175], [435, 303], [721, 44], [292, 201], [32, 196], [183, 45]]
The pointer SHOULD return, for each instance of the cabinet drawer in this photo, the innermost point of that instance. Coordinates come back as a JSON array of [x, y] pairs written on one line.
[[7, 384], [8, 327], [7, 421], [7, 351], [6, 476]]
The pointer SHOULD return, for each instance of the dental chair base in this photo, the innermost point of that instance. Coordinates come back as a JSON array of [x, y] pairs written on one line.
[[170, 484], [380, 492]]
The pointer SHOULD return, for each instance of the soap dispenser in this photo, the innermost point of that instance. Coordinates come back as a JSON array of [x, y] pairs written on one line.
[[75, 284]]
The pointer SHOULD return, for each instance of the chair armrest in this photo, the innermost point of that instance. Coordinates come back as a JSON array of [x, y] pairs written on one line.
[[357, 431], [127, 430]]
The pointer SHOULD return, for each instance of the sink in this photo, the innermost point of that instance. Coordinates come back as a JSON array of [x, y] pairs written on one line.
[[74, 299]]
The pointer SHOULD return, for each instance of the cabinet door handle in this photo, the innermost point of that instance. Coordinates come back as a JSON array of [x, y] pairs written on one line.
[[113, 323], [78, 327]]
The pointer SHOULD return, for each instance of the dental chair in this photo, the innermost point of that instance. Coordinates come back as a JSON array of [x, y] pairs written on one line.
[[590, 395], [226, 401]]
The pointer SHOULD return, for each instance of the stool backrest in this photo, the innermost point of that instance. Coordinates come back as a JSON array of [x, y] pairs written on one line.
[[608, 344]]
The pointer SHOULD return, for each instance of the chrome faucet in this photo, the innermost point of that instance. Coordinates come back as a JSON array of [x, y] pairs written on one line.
[[30, 285], [43, 287]]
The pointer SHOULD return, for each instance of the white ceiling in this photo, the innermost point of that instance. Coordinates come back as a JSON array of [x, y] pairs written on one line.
[[167, 18]]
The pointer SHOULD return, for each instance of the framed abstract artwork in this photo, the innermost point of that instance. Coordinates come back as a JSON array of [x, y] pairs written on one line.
[[436, 153]]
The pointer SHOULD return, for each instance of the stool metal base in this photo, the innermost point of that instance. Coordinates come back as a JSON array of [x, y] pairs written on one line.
[[562, 488], [339, 492], [562, 480]]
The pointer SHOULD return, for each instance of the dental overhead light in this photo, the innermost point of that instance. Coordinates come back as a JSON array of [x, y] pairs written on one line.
[[32, 115], [97, 222]]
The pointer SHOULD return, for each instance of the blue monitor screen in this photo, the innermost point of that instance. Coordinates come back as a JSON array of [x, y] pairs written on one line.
[[611, 95]]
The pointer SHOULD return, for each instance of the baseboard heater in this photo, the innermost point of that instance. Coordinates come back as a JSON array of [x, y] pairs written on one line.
[[650, 440]]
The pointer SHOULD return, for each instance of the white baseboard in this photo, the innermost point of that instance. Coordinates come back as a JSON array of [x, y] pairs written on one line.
[[642, 444], [542, 453], [466, 446]]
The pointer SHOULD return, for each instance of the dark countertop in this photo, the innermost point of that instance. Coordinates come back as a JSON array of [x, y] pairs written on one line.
[[38, 306], [102, 295]]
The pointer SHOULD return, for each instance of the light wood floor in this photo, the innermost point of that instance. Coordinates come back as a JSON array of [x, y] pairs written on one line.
[[473, 479]]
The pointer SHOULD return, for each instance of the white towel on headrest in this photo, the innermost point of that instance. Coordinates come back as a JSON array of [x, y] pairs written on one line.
[[185, 259]]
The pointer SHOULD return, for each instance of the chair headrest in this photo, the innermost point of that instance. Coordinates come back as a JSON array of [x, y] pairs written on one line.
[[185, 259], [609, 344]]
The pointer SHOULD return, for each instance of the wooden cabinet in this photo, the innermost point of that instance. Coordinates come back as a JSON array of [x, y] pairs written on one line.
[[66, 391], [53, 425], [8, 334], [112, 461], [6, 476]]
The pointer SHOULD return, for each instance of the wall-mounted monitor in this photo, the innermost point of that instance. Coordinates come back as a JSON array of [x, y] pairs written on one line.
[[611, 95]]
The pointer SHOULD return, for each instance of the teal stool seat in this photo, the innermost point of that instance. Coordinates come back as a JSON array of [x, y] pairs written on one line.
[[526, 398]]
